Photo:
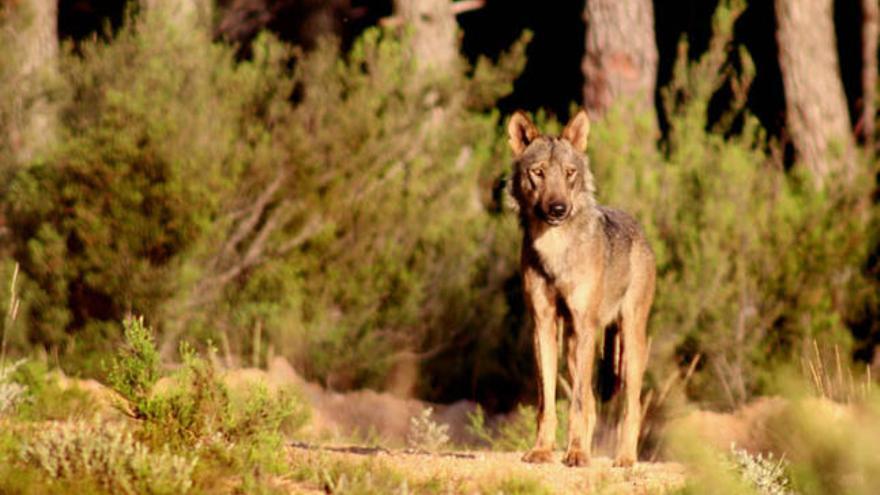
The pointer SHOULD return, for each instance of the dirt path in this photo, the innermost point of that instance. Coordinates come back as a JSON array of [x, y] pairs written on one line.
[[473, 471]]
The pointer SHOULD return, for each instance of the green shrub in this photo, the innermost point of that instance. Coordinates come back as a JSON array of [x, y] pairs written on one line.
[[135, 369], [195, 406], [518, 430], [765, 474], [339, 208], [425, 433], [753, 262], [516, 486], [45, 398], [109, 455], [11, 392], [342, 476]]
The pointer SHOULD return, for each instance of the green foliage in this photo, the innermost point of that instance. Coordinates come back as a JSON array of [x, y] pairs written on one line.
[[425, 433], [11, 392], [18, 478], [195, 405], [816, 446], [753, 262], [517, 486], [517, 431], [339, 208], [340, 476], [763, 473], [135, 370], [829, 446], [109, 455], [241, 429], [45, 398]]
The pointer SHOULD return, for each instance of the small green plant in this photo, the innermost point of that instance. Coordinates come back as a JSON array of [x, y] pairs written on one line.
[[425, 433], [515, 432], [11, 392], [135, 369], [45, 398], [766, 474], [338, 476], [258, 410], [516, 486], [196, 407], [109, 455]]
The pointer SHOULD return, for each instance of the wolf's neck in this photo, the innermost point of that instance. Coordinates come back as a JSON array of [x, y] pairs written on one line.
[[553, 244]]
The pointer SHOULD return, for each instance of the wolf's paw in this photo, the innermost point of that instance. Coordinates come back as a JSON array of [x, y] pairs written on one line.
[[576, 458], [538, 456], [624, 461]]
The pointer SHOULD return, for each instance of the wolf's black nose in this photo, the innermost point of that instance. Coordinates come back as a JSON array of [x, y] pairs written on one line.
[[557, 210]]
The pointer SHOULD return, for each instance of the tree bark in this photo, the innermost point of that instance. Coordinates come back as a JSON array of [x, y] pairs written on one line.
[[815, 103], [182, 14], [35, 52], [870, 33], [434, 36], [620, 62]]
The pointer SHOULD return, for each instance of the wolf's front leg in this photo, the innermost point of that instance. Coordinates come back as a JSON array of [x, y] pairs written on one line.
[[580, 344], [542, 305]]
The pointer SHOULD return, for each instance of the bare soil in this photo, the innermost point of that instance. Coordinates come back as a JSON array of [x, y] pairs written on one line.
[[471, 471]]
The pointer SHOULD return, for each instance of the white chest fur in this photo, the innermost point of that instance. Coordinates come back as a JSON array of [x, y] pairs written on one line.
[[552, 246]]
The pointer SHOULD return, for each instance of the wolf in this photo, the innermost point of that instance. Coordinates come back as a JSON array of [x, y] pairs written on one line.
[[587, 266]]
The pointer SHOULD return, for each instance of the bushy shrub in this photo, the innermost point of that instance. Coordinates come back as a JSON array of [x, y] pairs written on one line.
[[110, 455], [100, 222], [339, 208], [516, 431], [425, 433], [11, 392], [765, 474], [45, 397], [194, 407], [135, 369]]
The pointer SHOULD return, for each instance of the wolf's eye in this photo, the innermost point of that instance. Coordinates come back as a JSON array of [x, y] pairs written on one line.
[[570, 173], [537, 172]]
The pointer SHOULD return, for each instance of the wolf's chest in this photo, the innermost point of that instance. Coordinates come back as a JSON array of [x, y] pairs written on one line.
[[553, 248]]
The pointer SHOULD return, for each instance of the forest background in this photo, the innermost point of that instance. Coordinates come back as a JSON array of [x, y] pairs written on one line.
[[324, 181]]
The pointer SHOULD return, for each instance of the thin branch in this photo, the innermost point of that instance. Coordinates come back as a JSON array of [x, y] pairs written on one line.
[[463, 6], [254, 213]]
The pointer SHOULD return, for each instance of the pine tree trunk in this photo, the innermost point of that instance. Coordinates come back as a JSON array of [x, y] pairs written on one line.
[[620, 62], [36, 57], [870, 33], [182, 14], [815, 103], [433, 37]]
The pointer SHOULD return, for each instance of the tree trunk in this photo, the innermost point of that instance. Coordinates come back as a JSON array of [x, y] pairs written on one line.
[[870, 32], [182, 14], [815, 103], [35, 52], [434, 36], [620, 62]]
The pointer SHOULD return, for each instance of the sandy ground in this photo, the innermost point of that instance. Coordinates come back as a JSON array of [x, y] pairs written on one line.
[[383, 418], [466, 472]]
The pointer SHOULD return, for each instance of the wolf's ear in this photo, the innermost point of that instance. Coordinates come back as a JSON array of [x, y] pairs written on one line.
[[577, 130], [520, 132]]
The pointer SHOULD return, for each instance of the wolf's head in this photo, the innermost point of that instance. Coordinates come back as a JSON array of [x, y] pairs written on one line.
[[552, 181]]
